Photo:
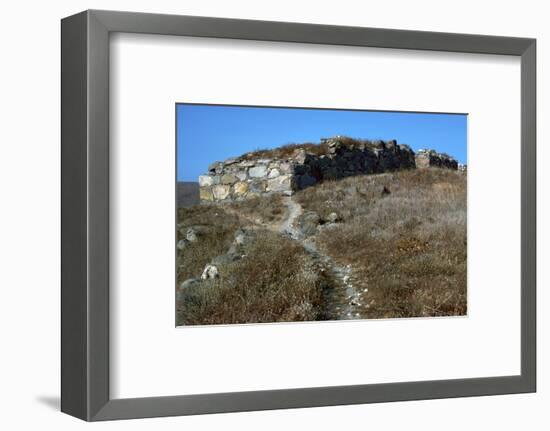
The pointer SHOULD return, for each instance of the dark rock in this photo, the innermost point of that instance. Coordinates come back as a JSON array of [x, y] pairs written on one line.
[[306, 181]]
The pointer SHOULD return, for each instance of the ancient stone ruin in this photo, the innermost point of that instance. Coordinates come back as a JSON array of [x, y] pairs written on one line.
[[295, 167], [429, 158]]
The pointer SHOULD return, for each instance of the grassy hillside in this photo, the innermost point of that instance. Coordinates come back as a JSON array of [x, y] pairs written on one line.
[[396, 241], [273, 280], [404, 234]]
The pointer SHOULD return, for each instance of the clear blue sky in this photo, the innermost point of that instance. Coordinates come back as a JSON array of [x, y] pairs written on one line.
[[206, 133]]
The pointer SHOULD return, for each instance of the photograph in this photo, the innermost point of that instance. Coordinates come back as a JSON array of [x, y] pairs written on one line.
[[291, 214]]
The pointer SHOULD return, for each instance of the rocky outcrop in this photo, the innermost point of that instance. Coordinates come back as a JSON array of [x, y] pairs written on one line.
[[334, 158]]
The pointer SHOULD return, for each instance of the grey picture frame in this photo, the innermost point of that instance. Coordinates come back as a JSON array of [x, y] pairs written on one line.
[[85, 214]]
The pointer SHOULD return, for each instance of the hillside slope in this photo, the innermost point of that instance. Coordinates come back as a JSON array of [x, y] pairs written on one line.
[[373, 246]]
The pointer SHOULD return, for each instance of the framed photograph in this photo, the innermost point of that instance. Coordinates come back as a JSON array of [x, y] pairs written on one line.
[[264, 215]]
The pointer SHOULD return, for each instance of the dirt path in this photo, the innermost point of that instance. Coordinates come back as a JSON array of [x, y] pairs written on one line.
[[346, 300], [287, 226]]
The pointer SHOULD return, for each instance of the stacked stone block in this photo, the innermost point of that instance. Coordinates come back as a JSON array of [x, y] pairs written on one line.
[[430, 158], [339, 157]]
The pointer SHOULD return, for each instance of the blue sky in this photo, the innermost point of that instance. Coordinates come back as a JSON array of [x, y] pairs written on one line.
[[206, 133]]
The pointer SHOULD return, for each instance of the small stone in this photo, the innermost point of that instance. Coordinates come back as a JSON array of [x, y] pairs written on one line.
[[191, 235], [210, 272], [333, 217], [308, 223], [182, 243], [240, 237]]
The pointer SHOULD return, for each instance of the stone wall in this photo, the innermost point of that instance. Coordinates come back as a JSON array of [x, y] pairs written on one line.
[[430, 158], [237, 178], [334, 158]]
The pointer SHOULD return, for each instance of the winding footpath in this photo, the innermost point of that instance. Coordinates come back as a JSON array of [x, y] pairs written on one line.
[[345, 308]]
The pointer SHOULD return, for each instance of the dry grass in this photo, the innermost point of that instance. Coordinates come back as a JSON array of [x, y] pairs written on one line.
[[262, 209], [404, 235], [217, 230], [276, 281], [286, 151]]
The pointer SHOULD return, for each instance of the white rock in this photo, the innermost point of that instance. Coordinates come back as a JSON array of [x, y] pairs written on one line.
[[257, 171], [274, 173], [191, 235], [279, 184], [210, 271], [205, 180], [332, 217]]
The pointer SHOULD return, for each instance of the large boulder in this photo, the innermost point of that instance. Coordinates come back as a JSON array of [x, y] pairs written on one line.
[[205, 194], [257, 171], [280, 184], [274, 173], [240, 189], [220, 191], [229, 179], [206, 180]]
